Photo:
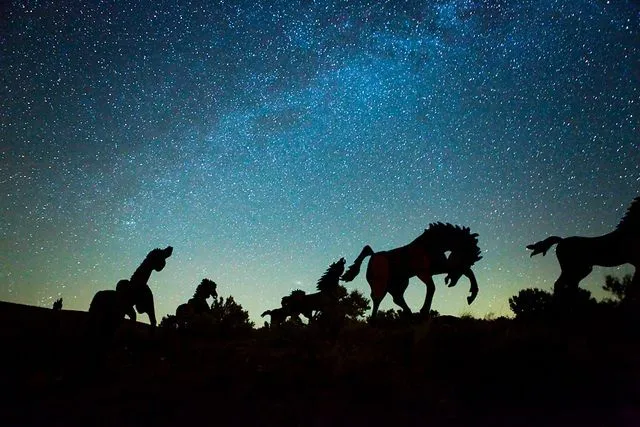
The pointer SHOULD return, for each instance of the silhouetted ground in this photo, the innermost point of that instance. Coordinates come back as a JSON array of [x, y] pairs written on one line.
[[448, 372]]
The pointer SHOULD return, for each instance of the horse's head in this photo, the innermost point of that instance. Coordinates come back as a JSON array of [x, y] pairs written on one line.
[[460, 241], [158, 257], [207, 288], [458, 264], [456, 267]]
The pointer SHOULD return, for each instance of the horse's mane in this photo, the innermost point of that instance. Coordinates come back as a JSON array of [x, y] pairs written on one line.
[[630, 223], [465, 241], [330, 279]]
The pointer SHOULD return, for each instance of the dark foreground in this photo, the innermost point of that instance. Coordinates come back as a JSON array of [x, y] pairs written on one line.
[[444, 373]]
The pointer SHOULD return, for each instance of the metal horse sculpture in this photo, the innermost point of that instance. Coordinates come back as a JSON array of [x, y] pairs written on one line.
[[108, 307], [390, 271], [197, 305], [310, 305], [577, 255], [278, 315]]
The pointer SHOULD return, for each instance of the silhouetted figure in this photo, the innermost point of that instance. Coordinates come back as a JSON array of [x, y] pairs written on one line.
[[197, 305], [390, 271], [278, 316], [57, 305], [577, 255], [309, 305], [293, 304], [108, 307]]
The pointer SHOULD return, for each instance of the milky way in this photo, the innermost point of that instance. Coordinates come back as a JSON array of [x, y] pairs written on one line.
[[264, 142]]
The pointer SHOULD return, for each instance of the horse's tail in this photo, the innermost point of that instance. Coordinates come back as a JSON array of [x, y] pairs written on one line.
[[354, 269], [265, 313], [544, 245]]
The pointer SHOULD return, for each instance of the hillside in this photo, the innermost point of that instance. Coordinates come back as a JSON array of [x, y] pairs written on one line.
[[449, 371]]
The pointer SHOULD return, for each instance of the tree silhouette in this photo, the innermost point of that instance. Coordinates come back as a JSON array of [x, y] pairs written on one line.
[[570, 302], [57, 305], [229, 317], [386, 318], [619, 288], [354, 304], [530, 303]]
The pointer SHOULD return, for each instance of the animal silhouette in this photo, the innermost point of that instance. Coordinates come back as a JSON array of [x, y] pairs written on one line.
[[577, 255], [278, 315], [198, 304], [390, 271], [330, 291], [108, 307]]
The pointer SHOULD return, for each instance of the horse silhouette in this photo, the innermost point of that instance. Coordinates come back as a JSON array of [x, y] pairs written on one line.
[[278, 315], [390, 271], [577, 255], [311, 305], [198, 304], [330, 291], [109, 307]]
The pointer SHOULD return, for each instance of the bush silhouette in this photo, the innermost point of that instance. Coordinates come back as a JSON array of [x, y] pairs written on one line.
[[531, 303], [229, 317], [354, 304], [537, 303]]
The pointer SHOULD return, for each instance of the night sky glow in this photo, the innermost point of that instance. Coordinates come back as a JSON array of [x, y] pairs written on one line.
[[265, 140]]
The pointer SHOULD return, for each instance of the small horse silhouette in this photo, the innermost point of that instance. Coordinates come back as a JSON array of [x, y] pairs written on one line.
[[198, 304], [310, 305], [278, 315]]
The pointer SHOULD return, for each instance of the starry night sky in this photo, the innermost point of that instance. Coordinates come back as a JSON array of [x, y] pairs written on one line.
[[265, 140]]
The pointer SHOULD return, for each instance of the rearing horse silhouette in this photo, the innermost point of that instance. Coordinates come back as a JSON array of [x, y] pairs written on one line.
[[108, 307], [390, 271], [577, 255]]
